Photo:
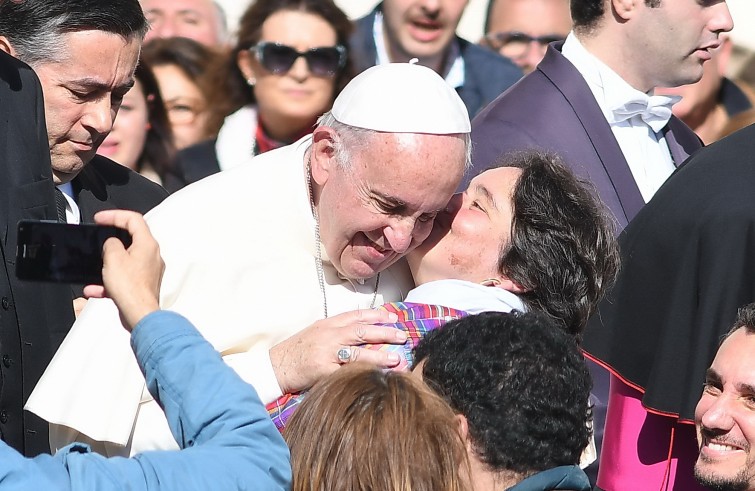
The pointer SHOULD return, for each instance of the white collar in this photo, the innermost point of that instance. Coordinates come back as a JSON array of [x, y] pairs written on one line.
[[455, 75], [467, 296], [235, 142], [608, 88]]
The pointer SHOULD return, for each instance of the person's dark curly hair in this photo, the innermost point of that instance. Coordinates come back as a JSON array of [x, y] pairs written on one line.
[[563, 250], [745, 318], [520, 381]]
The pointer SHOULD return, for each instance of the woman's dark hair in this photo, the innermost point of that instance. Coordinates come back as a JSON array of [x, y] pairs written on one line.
[[198, 62], [250, 32], [159, 150], [563, 249]]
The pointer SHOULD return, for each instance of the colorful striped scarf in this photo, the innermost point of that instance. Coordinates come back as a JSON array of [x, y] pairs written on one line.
[[414, 318]]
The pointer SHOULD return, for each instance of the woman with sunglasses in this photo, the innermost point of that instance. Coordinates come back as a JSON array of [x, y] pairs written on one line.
[[288, 65]]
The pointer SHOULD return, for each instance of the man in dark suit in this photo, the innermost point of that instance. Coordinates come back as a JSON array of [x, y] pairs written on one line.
[[397, 31], [591, 97], [33, 314], [591, 100], [84, 53]]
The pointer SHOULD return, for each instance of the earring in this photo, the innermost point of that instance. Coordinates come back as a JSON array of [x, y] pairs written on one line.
[[251, 81], [491, 282]]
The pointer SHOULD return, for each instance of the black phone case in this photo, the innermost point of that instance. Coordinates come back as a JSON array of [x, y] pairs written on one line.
[[63, 253]]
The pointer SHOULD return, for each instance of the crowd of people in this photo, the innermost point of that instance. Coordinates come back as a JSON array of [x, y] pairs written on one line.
[[372, 255]]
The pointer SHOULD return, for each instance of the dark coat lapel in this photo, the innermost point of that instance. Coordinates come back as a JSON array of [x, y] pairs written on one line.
[[682, 141], [567, 79], [362, 43]]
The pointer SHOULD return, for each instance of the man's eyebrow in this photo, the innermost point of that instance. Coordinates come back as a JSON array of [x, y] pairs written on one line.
[[388, 199], [712, 377], [395, 203], [93, 83], [744, 388]]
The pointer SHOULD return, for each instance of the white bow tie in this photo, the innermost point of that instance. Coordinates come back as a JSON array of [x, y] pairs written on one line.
[[654, 110]]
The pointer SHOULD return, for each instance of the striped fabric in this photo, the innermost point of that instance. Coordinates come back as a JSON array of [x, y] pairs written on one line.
[[414, 318]]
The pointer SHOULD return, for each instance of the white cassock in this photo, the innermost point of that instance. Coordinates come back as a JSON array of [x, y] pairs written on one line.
[[239, 250]]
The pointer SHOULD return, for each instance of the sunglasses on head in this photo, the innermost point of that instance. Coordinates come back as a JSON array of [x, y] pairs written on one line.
[[279, 58]]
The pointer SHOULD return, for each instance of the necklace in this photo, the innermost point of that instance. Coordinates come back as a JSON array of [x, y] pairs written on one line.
[[318, 251]]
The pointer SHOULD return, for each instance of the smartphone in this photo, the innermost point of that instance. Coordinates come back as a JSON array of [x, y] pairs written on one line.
[[63, 253]]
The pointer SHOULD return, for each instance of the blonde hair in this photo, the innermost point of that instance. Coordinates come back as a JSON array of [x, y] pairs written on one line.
[[365, 429]]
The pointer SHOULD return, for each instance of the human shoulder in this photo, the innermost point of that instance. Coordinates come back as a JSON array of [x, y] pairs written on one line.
[[362, 42], [105, 181], [245, 190], [479, 59], [716, 170], [365, 23], [14, 72], [196, 162]]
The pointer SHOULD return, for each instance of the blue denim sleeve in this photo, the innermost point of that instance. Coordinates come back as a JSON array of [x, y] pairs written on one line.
[[228, 441]]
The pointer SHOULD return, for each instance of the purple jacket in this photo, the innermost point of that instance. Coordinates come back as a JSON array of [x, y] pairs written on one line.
[[553, 109]]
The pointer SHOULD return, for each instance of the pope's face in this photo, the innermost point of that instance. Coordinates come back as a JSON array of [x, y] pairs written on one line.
[[384, 203]]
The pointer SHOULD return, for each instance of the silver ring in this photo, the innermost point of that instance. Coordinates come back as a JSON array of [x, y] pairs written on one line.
[[344, 355]]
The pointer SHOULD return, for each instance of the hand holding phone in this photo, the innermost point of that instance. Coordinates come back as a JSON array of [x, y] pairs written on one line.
[[118, 258], [131, 276]]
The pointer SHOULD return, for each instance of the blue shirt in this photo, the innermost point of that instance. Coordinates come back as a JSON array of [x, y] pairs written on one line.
[[565, 477], [228, 441]]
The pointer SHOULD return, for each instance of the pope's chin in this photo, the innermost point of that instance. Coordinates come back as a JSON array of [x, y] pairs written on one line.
[[358, 269]]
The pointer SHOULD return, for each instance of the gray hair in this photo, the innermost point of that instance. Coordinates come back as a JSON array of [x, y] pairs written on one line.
[[353, 139], [35, 28]]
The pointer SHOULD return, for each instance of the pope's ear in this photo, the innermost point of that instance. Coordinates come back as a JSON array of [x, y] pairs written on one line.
[[6, 46], [323, 151]]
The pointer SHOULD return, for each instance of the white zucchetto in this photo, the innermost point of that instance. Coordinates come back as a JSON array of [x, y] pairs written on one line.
[[401, 98]]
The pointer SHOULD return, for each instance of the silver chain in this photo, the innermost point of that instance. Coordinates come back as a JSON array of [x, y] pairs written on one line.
[[318, 251]]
